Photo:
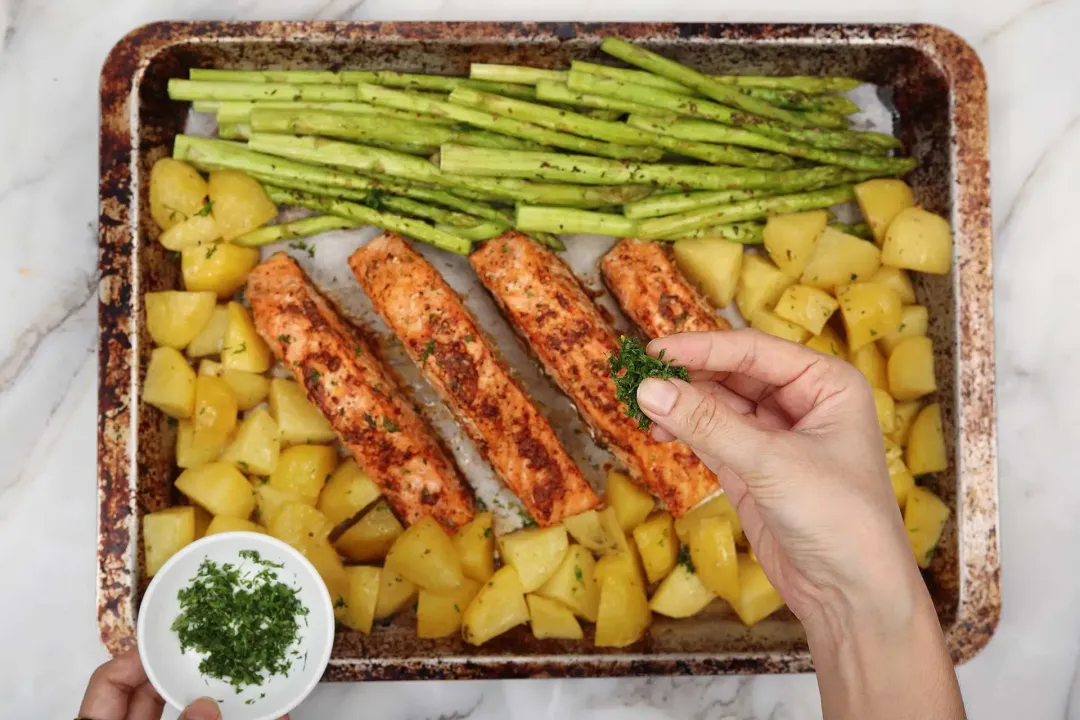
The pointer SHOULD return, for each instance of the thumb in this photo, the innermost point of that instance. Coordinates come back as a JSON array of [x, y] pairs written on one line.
[[202, 709]]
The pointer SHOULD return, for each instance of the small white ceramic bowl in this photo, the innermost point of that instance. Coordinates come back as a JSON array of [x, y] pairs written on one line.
[[176, 675]]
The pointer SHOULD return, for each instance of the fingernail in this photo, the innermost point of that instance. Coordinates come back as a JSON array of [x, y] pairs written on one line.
[[657, 396], [202, 709]]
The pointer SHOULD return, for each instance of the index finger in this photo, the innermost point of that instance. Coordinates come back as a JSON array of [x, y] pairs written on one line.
[[748, 352], [111, 686]]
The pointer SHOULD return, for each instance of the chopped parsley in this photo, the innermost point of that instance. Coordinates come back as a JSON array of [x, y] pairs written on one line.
[[487, 532], [301, 245], [481, 506], [211, 250], [428, 350], [242, 348], [685, 560], [284, 339], [580, 576], [206, 208], [340, 603], [314, 376], [630, 365], [359, 351], [469, 338], [390, 426]]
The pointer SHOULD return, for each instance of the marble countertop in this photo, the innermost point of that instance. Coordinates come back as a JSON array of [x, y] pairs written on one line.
[[50, 56]]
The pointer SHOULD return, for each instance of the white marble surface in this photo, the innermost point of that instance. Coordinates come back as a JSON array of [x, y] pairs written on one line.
[[50, 55]]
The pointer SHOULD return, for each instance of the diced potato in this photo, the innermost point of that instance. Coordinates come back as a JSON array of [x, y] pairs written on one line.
[[840, 258], [222, 524], [621, 564], [175, 318], [911, 369], [924, 519], [439, 614], [898, 280], [299, 420], [716, 506], [498, 607], [807, 307], [918, 240], [914, 321], [901, 479], [624, 613], [196, 230], [790, 239], [610, 522], [202, 521], [828, 342], [364, 584], [881, 200], [574, 583], [210, 368], [243, 348], [348, 491], [256, 447], [425, 555], [304, 470], [170, 383], [588, 529], [760, 285], [536, 553], [249, 389], [925, 451], [238, 203], [475, 545], [177, 192], [869, 311], [757, 597], [681, 594], [214, 417], [872, 364], [631, 503], [905, 416], [188, 454], [321, 554], [395, 593], [769, 322], [712, 548], [298, 524], [551, 619], [713, 265], [659, 548], [211, 338], [886, 410], [372, 536], [165, 533], [220, 268], [219, 488], [270, 500]]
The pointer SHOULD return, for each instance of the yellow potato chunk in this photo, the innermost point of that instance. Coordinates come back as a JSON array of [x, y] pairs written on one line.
[[239, 203], [713, 264], [211, 338], [872, 364], [886, 410], [439, 614], [348, 491], [918, 240], [202, 522], [475, 545], [769, 322], [588, 529], [716, 506], [655, 540], [536, 553], [170, 383], [869, 311], [574, 583], [551, 619], [298, 524], [243, 348], [395, 593], [911, 369], [177, 192], [222, 524], [210, 368], [905, 416], [807, 307], [898, 280], [881, 200], [257, 445], [712, 549], [270, 500], [757, 597], [321, 554], [371, 537], [425, 555], [299, 420], [790, 239], [364, 584], [220, 268], [166, 533], [498, 607], [914, 321], [304, 470], [196, 230], [631, 503], [924, 519], [760, 285], [175, 318], [248, 388], [219, 488], [188, 454], [901, 479], [214, 417], [610, 521], [681, 594], [840, 258], [925, 451], [828, 342], [624, 615]]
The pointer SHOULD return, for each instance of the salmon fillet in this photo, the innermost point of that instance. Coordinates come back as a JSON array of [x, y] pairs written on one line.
[[548, 306], [443, 340], [358, 394], [653, 293]]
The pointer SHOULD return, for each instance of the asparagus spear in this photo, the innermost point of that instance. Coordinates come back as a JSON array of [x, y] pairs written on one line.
[[615, 132], [567, 221], [795, 100], [637, 77], [461, 160], [674, 203], [502, 125], [555, 92], [744, 233], [234, 131], [438, 215], [514, 74], [270, 234], [803, 83], [180, 89], [447, 84], [752, 209], [548, 239], [476, 233], [290, 77], [861, 230], [366, 216], [206, 106], [240, 110]]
